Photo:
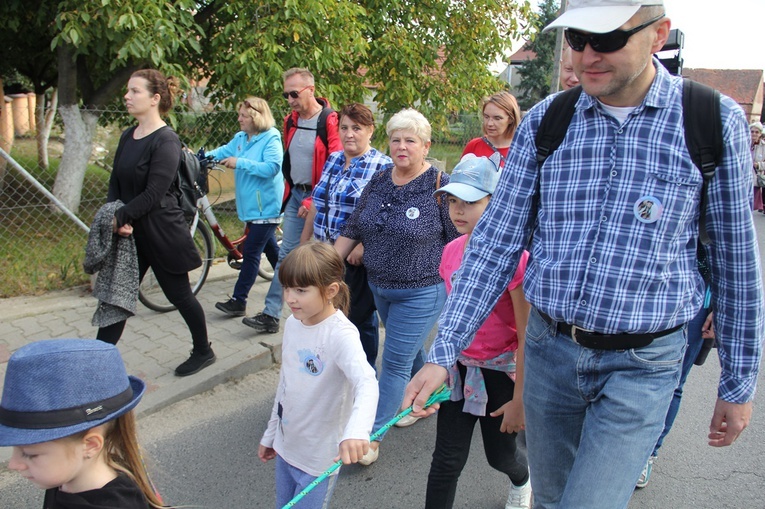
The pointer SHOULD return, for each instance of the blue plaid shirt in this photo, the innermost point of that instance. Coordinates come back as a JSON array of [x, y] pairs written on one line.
[[597, 259], [343, 186]]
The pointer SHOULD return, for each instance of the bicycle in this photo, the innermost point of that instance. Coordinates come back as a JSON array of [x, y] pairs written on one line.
[[151, 295]]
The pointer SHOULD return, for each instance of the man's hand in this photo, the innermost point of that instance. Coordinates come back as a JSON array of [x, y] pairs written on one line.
[[422, 385], [728, 421]]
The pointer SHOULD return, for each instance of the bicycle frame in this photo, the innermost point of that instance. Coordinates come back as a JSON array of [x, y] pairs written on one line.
[[234, 255]]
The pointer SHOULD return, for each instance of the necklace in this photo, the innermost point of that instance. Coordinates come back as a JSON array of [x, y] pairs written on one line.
[[403, 180]]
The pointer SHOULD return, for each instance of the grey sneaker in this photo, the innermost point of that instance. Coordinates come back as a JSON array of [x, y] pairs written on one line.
[[232, 307], [642, 481], [262, 323]]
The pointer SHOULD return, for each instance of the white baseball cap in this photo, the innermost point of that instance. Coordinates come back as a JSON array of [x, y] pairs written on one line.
[[598, 16]]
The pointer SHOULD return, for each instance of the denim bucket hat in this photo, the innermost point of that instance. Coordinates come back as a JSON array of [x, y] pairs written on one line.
[[473, 178], [58, 387]]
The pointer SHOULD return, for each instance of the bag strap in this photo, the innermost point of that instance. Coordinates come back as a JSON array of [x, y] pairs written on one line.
[[555, 122], [703, 137], [438, 186]]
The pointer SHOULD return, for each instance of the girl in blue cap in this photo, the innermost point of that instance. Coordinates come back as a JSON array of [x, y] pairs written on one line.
[[67, 411], [487, 380]]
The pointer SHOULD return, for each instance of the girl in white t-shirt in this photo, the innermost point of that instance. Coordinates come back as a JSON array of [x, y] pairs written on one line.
[[327, 396], [487, 380]]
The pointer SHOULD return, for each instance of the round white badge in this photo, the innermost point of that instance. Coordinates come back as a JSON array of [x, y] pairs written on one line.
[[413, 213], [648, 209]]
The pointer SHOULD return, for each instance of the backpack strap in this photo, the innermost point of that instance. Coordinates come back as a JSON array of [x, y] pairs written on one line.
[[321, 125], [703, 137], [555, 122]]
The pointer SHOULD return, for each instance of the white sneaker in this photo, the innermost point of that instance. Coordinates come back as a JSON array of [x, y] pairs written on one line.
[[406, 420], [371, 456], [519, 497]]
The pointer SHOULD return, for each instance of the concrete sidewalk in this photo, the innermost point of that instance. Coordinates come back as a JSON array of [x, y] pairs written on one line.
[[153, 344]]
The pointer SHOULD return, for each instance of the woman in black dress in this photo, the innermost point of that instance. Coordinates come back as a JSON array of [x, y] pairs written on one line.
[[145, 169]]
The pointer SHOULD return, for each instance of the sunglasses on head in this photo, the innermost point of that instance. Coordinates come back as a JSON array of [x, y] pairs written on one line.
[[294, 93], [604, 43]]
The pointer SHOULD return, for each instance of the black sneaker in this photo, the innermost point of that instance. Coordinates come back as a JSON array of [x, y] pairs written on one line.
[[232, 307], [263, 323], [196, 363]]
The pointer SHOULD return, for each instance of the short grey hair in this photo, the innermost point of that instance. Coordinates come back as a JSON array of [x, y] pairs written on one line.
[[410, 119], [302, 71]]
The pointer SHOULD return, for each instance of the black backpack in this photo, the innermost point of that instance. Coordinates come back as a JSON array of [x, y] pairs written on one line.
[[191, 181], [701, 121]]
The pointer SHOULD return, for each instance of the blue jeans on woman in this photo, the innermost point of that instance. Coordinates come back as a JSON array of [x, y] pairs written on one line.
[[260, 239], [408, 316], [291, 230], [593, 416]]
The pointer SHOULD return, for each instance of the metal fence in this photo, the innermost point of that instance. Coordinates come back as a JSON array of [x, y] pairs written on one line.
[[42, 249]]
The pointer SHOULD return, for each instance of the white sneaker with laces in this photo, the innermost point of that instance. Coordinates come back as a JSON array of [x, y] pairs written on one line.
[[519, 497]]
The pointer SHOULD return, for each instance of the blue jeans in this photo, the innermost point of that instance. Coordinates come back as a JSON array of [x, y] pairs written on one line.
[[291, 230], [291, 480], [695, 342], [260, 238], [593, 416], [408, 317]]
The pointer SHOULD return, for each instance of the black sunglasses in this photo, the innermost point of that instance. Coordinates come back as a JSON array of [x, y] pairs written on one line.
[[294, 93], [604, 43]]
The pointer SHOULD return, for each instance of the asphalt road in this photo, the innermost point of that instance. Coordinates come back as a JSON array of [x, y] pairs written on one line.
[[202, 452]]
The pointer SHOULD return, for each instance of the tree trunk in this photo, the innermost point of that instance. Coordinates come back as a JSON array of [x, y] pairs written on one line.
[[44, 120], [79, 126]]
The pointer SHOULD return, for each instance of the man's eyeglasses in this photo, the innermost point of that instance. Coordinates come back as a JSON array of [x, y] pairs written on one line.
[[294, 93], [604, 43]]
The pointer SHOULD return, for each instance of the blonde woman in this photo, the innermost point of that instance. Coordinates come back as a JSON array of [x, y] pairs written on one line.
[[255, 154]]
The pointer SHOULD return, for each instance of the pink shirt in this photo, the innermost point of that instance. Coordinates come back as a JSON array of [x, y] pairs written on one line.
[[498, 333]]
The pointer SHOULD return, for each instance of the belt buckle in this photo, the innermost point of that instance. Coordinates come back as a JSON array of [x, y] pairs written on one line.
[[575, 328]]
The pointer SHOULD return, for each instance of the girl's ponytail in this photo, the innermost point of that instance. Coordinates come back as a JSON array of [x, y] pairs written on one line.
[[124, 455], [342, 300]]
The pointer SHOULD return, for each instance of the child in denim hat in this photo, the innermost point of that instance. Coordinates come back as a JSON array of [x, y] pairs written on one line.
[[487, 380], [67, 411]]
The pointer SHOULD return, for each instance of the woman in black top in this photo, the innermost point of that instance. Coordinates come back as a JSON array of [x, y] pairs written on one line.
[[145, 168]]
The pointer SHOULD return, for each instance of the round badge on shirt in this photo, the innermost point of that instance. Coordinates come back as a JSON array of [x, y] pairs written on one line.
[[412, 212], [648, 209]]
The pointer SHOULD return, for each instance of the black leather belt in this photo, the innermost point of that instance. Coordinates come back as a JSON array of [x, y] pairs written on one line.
[[306, 188], [597, 341]]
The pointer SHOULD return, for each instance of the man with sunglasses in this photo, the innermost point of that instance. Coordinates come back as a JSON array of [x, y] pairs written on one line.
[[613, 214], [310, 135]]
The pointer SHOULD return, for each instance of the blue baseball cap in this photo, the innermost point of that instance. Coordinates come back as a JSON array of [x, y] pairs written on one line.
[[473, 178]]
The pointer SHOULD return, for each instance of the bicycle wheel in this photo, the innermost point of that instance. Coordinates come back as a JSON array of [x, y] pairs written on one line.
[[265, 270], [152, 296]]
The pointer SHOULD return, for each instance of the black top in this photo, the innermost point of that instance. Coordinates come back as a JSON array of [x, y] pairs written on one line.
[[121, 493], [143, 178]]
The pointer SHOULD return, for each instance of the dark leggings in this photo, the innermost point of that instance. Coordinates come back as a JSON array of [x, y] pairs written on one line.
[[454, 432], [177, 289]]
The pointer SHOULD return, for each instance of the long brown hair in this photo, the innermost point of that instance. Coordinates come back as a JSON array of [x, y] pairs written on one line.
[[316, 264], [122, 453]]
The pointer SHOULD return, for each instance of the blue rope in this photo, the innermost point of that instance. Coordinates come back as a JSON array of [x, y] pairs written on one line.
[[442, 394]]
